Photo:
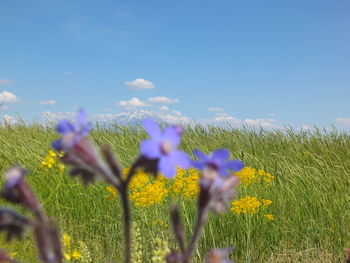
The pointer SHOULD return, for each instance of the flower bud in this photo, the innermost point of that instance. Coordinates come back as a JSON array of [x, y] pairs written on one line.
[[12, 223], [17, 190]]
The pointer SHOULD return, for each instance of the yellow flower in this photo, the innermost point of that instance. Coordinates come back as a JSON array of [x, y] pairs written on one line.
[[76, 254], [66, 240], [139, 180], [52, 159], [266, 202], [112, 192], [247, 205], [68, 253], [152, 193], [185, 182], [247, 176], [269, 217]]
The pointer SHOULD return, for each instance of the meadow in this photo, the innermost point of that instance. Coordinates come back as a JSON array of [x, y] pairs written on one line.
[[298, 183]]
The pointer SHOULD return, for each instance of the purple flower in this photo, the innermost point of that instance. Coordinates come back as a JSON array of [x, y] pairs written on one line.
[[163, 146], [72, 133], [217, 162]]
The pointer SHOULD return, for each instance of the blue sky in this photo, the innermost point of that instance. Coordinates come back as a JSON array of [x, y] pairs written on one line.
[[268, 63]]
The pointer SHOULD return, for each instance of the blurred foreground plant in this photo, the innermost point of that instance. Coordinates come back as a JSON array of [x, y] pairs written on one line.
[[159, 154]]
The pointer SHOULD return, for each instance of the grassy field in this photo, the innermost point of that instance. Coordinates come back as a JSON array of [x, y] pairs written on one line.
[[310, 195]]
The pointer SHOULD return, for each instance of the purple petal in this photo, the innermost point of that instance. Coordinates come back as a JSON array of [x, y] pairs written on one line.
[[221, 154], [180, 158], [151, 127], [201, 156], [198, 165], [166, 166], [171, 134], [150, 149], [235, 165], [57, 145], [81, 118], [64, 127], [85, 130]]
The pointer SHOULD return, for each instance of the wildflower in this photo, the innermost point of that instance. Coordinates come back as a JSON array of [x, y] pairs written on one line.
[[186, 182], [69, 253], [247, 176], [269, 217], [112, 192], [72, 133], [139, 180], [48, 242], [153, 193], [49, 160], [217, 162], [17, 190], [162, 147], [216, 183], [160, 253], [12, 223], [266, 202], [248, 205], [267, 178], [78, 149]]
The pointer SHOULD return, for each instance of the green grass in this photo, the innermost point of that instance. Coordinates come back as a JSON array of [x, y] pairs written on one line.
[[310, 194]]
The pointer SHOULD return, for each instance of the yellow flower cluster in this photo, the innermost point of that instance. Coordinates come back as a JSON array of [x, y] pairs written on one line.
[[68, 252], [146, 190], [249, 175], [52, 160], [185, 182], [269, 217], [152, 193], [112, 192], [249, 205]]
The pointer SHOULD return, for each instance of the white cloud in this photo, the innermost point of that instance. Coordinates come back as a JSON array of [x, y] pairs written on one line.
[[9, 97], [264, 123], [344, 121], [68, 73], [305, 127], [3, 107], [5, 82], [9, 119], [224, 117], [164, 108], [132, 103], [216, 109], [164, 100], [176, 112], [47, 102], [139, 84]]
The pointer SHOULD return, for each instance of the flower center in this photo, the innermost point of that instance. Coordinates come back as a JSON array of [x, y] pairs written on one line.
[[166, 147], [213, 165]]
